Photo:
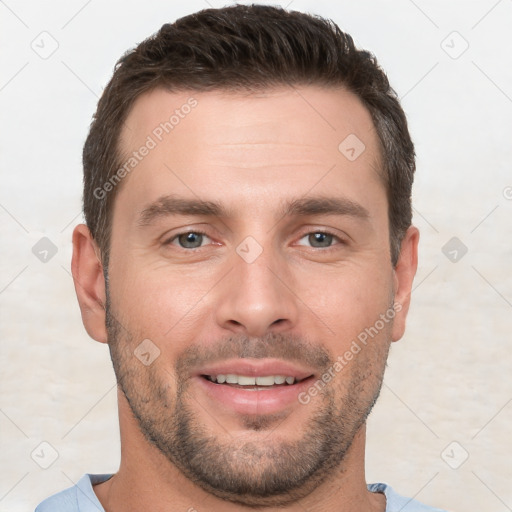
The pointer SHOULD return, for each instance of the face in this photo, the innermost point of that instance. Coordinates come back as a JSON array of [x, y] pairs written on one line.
[[250, 301]]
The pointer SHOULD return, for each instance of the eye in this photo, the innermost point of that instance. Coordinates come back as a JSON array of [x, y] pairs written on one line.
[[321, 239], [188, 240]]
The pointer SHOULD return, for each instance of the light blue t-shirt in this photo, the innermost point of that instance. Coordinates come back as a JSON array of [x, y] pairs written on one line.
[[81, 498]]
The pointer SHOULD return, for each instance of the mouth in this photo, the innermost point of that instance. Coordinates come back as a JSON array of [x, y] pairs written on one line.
[[254, 382], [253, 386]]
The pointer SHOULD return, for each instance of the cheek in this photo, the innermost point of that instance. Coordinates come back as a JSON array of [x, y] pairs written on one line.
[[159, 304], [348, 300]]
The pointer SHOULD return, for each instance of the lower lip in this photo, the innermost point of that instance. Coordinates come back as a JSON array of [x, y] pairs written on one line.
[[255, 401]]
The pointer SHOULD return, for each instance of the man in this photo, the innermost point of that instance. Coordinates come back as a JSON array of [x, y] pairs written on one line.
[[248, 257]]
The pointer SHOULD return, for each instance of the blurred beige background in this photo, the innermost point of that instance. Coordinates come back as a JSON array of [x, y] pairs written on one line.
[[441, 430]]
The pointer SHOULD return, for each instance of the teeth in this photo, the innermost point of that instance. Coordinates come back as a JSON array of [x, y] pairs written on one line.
[[244, 380], [264, 381]]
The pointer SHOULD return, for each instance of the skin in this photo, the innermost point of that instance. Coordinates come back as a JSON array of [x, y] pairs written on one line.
[[249, 153]]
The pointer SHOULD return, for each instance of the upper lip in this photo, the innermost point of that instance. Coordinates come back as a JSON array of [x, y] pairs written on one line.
[[256, 367]]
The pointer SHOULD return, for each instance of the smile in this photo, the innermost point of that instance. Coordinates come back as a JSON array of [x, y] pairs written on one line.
[[258, 380]]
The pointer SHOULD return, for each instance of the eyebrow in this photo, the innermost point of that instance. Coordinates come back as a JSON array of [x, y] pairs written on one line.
[[169, 205]]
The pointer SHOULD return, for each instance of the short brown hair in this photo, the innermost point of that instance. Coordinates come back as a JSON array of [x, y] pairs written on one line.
[[247, 48]]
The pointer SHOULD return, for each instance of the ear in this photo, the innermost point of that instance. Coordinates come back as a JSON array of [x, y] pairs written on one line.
[[404, 273], [89, 282]]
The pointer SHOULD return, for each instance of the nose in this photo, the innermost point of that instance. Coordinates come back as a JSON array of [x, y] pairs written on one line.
[[257, 297]]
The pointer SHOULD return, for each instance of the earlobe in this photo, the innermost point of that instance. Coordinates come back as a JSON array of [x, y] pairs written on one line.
[[89, 282], [404, 273]]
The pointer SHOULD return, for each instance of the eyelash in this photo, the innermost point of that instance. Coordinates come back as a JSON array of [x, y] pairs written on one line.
[[199, 232]]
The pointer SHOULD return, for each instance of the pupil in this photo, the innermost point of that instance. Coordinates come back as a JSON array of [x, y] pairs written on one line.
[[323, 238], [191, 240]]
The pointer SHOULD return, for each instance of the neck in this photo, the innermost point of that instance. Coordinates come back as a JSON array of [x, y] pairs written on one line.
[[147, 480]]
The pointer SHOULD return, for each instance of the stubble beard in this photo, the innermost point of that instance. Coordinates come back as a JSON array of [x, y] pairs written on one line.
[[272, 472]]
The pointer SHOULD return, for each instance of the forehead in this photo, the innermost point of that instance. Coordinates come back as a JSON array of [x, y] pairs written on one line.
[[323, 115], [286, 140]]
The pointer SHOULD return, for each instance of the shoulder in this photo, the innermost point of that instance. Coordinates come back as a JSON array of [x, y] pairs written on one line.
[[395, 502], [63, 501], [78, 498]]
